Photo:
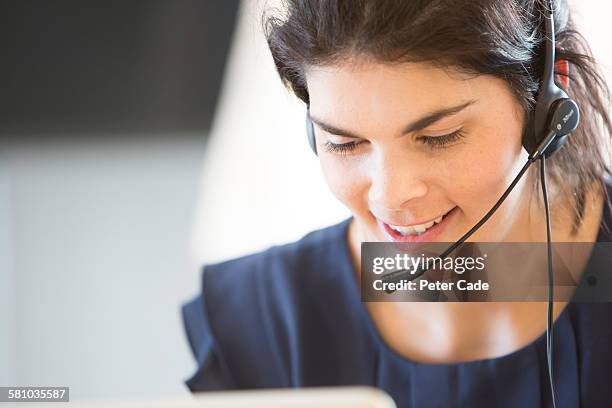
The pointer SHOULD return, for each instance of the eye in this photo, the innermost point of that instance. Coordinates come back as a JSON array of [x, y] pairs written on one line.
[[341, 148], [434, 142], [440, 142]]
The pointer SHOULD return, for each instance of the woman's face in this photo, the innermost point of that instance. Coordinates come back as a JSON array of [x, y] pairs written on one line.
[[405, 144]]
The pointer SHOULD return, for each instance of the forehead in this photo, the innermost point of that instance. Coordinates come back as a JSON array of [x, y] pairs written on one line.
[[374, 89]]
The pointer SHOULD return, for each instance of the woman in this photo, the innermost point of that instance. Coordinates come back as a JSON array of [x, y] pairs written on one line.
[[419, 110]]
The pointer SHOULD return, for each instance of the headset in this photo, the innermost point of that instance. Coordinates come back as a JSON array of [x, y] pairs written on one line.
[[554, 117]]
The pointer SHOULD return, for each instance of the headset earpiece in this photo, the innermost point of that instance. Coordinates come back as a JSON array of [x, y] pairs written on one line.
[[553, 105]]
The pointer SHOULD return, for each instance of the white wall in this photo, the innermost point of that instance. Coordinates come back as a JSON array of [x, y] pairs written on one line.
[[97, 265], [261, 183], [593, 19]]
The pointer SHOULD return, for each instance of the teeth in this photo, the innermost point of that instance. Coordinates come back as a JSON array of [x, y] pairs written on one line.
[[404, 230], [416, 229]]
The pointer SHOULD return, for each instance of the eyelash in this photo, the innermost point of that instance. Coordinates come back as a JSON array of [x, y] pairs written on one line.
[[434, 142], [441, 141]]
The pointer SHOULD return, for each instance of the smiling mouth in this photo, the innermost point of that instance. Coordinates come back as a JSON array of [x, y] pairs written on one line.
[[416, 230]]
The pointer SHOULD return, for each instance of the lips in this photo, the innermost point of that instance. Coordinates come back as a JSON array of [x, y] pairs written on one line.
[[428, 234]]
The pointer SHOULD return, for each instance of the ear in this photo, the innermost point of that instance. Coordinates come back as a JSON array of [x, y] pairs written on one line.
[[562, 71]]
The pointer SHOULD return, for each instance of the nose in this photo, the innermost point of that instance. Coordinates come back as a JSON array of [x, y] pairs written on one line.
[[396, 182]]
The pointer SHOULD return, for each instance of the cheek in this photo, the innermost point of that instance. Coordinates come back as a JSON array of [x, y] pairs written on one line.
[[483, 174], [347, 182]]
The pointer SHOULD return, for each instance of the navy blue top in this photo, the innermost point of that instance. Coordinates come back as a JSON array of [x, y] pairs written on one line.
[[291, 316]]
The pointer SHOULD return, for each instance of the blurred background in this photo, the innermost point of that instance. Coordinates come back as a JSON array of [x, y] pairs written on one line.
[[139, 140]]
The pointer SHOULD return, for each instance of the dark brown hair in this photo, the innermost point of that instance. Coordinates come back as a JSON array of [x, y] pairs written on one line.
[[503, 38]]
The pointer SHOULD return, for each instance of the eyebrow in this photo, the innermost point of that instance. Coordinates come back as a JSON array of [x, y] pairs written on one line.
[[428, 119]]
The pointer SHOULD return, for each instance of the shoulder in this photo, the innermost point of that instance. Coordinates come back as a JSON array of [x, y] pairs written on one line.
[[250, 307], [279, 264]]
